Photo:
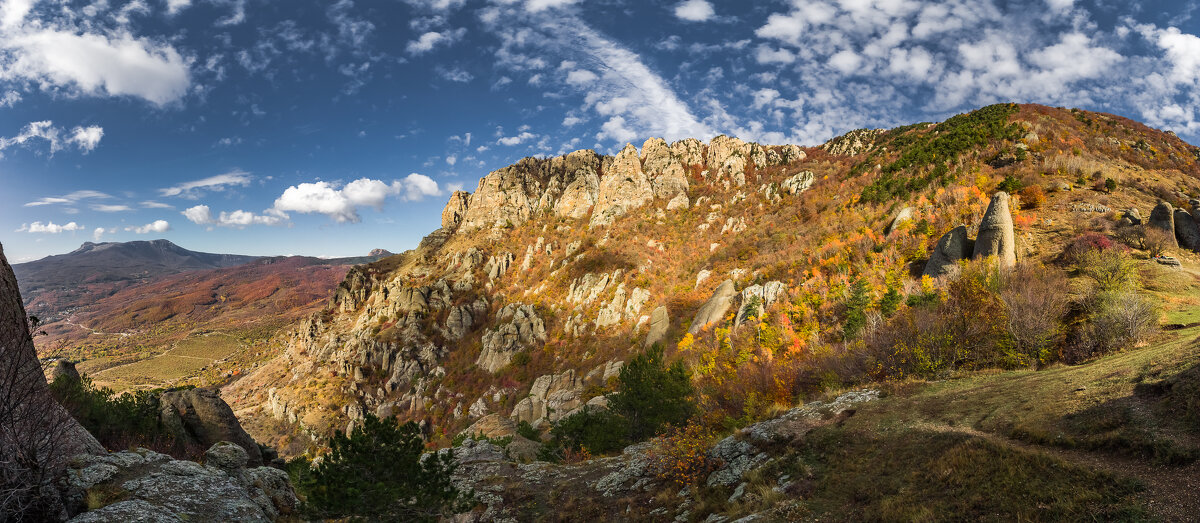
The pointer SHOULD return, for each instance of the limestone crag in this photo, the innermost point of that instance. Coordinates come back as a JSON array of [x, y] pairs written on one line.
[[521, 329], [799, 182], [852, 143], [660, 323], [624, 188], [551, 398], [456, 209], [156, 488], [756, 299]]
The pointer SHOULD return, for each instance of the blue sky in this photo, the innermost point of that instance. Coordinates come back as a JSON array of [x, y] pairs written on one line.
[[331, 128]]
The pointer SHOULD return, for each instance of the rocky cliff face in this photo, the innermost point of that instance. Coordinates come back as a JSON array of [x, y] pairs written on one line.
[[554, 270]]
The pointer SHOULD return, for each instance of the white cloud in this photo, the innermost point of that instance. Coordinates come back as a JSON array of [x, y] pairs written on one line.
[[451, 160], [10, 98], [219, 182], [846, 61], [199, 214], [84, 139], [67, 198], [518, 139], [431, 39], [694, 10], [116, 64], [581, 78], [202, 215], [769, 55], [12, 12], [175, 6], [111, 208], [157, 226], [534, 6], [50, 228], [454, 74], [99, 232], [341, 205]]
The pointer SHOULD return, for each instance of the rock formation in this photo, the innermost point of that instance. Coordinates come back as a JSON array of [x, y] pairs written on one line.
[[953, 246], [904, 215], [37, 436], [200, 417], [521, 329], [62, 367], [142, 485], [1186, 232], [1163, 217], [623, 188], [756, 299], [996, 237], [799, 182], [715, 308], [660, 322], [456, 209]]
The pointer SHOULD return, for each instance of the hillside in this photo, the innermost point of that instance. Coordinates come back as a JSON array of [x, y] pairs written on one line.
[[556, 270], [126, 305]]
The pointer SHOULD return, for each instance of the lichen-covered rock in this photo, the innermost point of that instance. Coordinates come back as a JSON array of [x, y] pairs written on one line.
[[154, 487], [550, 399], [623, 188], [996, 236], [456, 209], [727, 159], [520, 328], [952, 247], [715, 308], [201, 417]]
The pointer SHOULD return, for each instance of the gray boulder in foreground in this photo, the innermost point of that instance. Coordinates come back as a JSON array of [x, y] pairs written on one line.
[[954, 246], [996, 236]]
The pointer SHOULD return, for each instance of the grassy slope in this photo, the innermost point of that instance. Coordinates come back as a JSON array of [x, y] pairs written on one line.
[[1099, 441]]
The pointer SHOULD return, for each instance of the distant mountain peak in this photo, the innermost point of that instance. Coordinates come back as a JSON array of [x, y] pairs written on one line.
[[380, 252]]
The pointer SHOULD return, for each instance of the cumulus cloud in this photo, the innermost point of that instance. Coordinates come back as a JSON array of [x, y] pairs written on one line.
[[156, 226], [220, 182], [99, 233], [84, 139], [116, 64], [517, 139], [341, 204], [694, 10], [49, 228]]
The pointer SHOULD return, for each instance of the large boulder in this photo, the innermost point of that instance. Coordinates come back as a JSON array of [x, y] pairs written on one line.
[[551, 398], [1186, 232], [1163, 217], [200, 417], [142, 485], [660, 322], [715, 308], [60, 368], [996, 236], [904, 215], [952, 247]]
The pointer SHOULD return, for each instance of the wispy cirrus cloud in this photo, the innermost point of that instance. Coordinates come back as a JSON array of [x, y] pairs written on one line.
[[220, 182]]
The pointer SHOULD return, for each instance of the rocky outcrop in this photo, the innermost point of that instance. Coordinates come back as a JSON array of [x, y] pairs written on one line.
[[1163, 217], [551, 398], [200, 417], [854, 142], [37, 436], [456, 209], [904, 215], [996, 236], [1186, 232], [623, 188], [727, 159], [667, 175], [756, 299], [953, 246], [60, 368], [520, 328], [715, 308], [142, 485], [580, 185], [660, 322], [798, 182]]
